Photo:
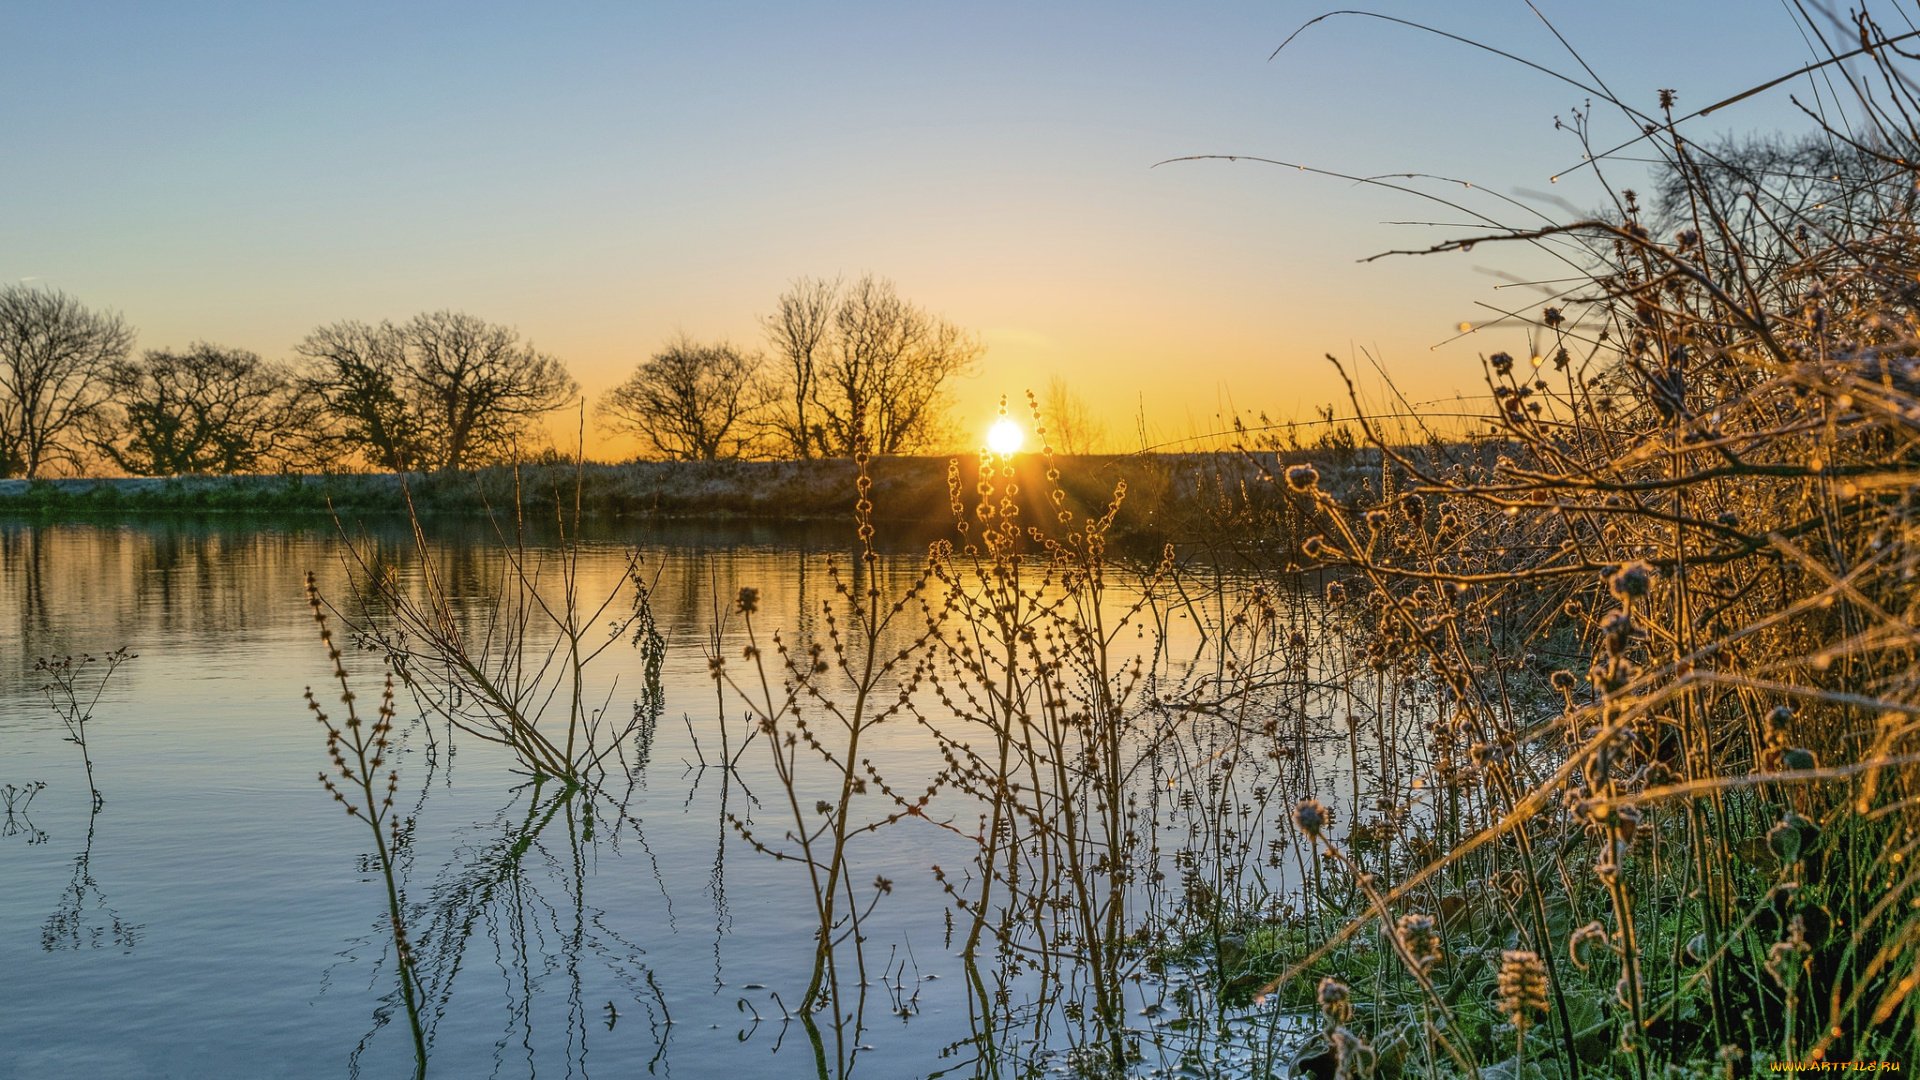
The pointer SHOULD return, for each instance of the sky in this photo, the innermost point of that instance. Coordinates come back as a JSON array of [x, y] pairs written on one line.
[[606, 176]]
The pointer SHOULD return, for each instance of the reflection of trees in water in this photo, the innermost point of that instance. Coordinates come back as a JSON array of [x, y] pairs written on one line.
[[67, 586], [24, 557]]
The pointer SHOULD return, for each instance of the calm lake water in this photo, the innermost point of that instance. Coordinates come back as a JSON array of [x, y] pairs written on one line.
[[216, 914]]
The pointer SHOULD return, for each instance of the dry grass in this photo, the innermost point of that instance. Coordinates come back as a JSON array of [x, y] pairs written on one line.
[[1615, 706], [1623, 691]]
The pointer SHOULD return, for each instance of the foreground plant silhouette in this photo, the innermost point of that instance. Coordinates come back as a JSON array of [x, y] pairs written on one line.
[[509, 663], [358, 750], [1664, 603], [73, 702], [830, 697]]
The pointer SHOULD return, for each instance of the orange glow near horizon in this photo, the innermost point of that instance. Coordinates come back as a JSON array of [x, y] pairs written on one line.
[[301, 171]]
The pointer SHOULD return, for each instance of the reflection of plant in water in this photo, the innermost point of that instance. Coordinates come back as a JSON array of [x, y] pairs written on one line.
[[70, 926], [498, 891], [1022, 653], [1095, 772], [1026, 651], [73, 701], [494, 669], [359, 751], [17, 800], [653, 655]]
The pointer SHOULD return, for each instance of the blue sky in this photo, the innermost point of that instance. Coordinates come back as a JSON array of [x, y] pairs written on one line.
[[605, 175]]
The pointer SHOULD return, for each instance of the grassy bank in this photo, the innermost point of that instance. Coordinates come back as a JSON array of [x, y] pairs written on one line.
[[1180, 498]]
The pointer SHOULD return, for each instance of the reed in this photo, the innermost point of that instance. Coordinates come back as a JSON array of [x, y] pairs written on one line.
[[83, 918]]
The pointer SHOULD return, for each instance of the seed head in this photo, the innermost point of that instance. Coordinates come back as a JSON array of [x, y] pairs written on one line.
[[1616, 632], [1798, 757], [1416, 508], [1303, 478], [1420, 938], [748, 601], [1628, 819], [1311, 816], [1630, 580], [1785, 955], [1336, 1004], [1521, 990], [1785, 839], [1593, 931]]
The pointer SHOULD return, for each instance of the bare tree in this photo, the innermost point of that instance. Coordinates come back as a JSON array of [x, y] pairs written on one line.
[[799, 330], [883, 381], [1072, 427], [205, 410], [1748, 185], [54, 358], [691, 401], [356, 373], [444, 391], [477, 387]]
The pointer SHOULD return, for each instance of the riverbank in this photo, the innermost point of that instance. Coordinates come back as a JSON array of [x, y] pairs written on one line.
[[1169, 497]]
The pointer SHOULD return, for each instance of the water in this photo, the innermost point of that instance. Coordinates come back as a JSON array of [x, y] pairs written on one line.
[[216, 914]]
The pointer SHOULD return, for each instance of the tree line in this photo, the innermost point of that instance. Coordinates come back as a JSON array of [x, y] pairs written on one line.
[[848, 366]]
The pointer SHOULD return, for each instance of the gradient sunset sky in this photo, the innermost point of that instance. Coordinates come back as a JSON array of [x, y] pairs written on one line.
[[603, 176]]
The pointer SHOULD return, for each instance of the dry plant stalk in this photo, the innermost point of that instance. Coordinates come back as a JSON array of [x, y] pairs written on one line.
[[1696, 490], [73, 704], [501, 669], [1627, 675], [358, 751]]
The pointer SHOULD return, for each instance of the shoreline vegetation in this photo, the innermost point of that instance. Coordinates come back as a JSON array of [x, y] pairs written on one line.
[[1180, 498], [1625, 693]]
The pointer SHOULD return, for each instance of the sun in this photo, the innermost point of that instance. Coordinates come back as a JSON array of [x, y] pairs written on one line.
[[1004, 437]]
